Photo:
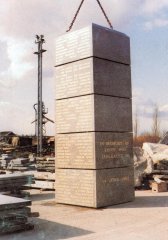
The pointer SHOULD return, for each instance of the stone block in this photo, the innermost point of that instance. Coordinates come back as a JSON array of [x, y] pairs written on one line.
[[93, 113], [94, 188], [93, 40], [94, 150], [93, 75]]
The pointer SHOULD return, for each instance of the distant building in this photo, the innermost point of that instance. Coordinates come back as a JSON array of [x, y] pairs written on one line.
[[6, 136]]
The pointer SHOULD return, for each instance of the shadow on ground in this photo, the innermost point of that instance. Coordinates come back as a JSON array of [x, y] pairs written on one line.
[[145, 202], [47, 230]]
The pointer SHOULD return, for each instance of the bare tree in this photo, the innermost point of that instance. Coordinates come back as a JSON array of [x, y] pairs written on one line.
[[156, 122], [136, 124]]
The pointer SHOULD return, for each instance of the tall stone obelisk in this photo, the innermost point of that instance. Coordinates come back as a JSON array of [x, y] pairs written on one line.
[[94, 162]]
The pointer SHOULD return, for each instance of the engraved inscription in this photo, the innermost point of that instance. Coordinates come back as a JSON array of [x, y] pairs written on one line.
[[76, 187], [75, 150], [113, 150], [74, 114], [74, 79], [114, 186], [115, 179], [74, 46]]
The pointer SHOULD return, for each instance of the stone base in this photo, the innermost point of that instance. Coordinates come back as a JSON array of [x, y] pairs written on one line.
[[94, 188]]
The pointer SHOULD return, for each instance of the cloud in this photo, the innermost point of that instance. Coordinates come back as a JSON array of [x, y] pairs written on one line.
[[142, 105], [154, 6], [149, 25], [155, 12], [16, 115], [145, 107], [164, 108], [5, 61]]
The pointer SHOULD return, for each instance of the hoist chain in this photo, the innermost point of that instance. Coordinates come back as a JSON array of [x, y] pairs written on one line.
[[104, 14], [76, 14], [71, 25]]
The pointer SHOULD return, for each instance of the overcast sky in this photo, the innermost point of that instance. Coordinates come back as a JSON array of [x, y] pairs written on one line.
[[145, 21]]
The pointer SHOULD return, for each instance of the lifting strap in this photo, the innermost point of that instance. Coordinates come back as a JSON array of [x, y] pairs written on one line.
[[76, 14]]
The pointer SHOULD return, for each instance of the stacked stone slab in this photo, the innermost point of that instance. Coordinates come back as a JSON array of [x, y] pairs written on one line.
[[94, 165], [14, 213]]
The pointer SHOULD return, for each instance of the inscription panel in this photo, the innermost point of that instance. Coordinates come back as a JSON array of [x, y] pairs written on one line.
[[75, 114], [74, 46], [114, 186], [74, 79], [94, 150], [113, 114], [113, 150], [76, 187], [75, 151]]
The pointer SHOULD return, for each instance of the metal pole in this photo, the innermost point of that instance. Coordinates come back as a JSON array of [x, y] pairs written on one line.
[[40, 105], [40, 41]]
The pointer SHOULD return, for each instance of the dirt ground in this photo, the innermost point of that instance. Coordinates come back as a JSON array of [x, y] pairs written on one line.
[[143, 219]]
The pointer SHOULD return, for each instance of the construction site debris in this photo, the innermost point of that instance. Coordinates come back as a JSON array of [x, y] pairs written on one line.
[[21, 145], [45, 164], [140, 164], [152, 159], [7, 162], [156, 152], [159, 186], [164, 140], [44, 180]]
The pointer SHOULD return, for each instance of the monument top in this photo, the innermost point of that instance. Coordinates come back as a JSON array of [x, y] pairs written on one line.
[[93, 41]]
